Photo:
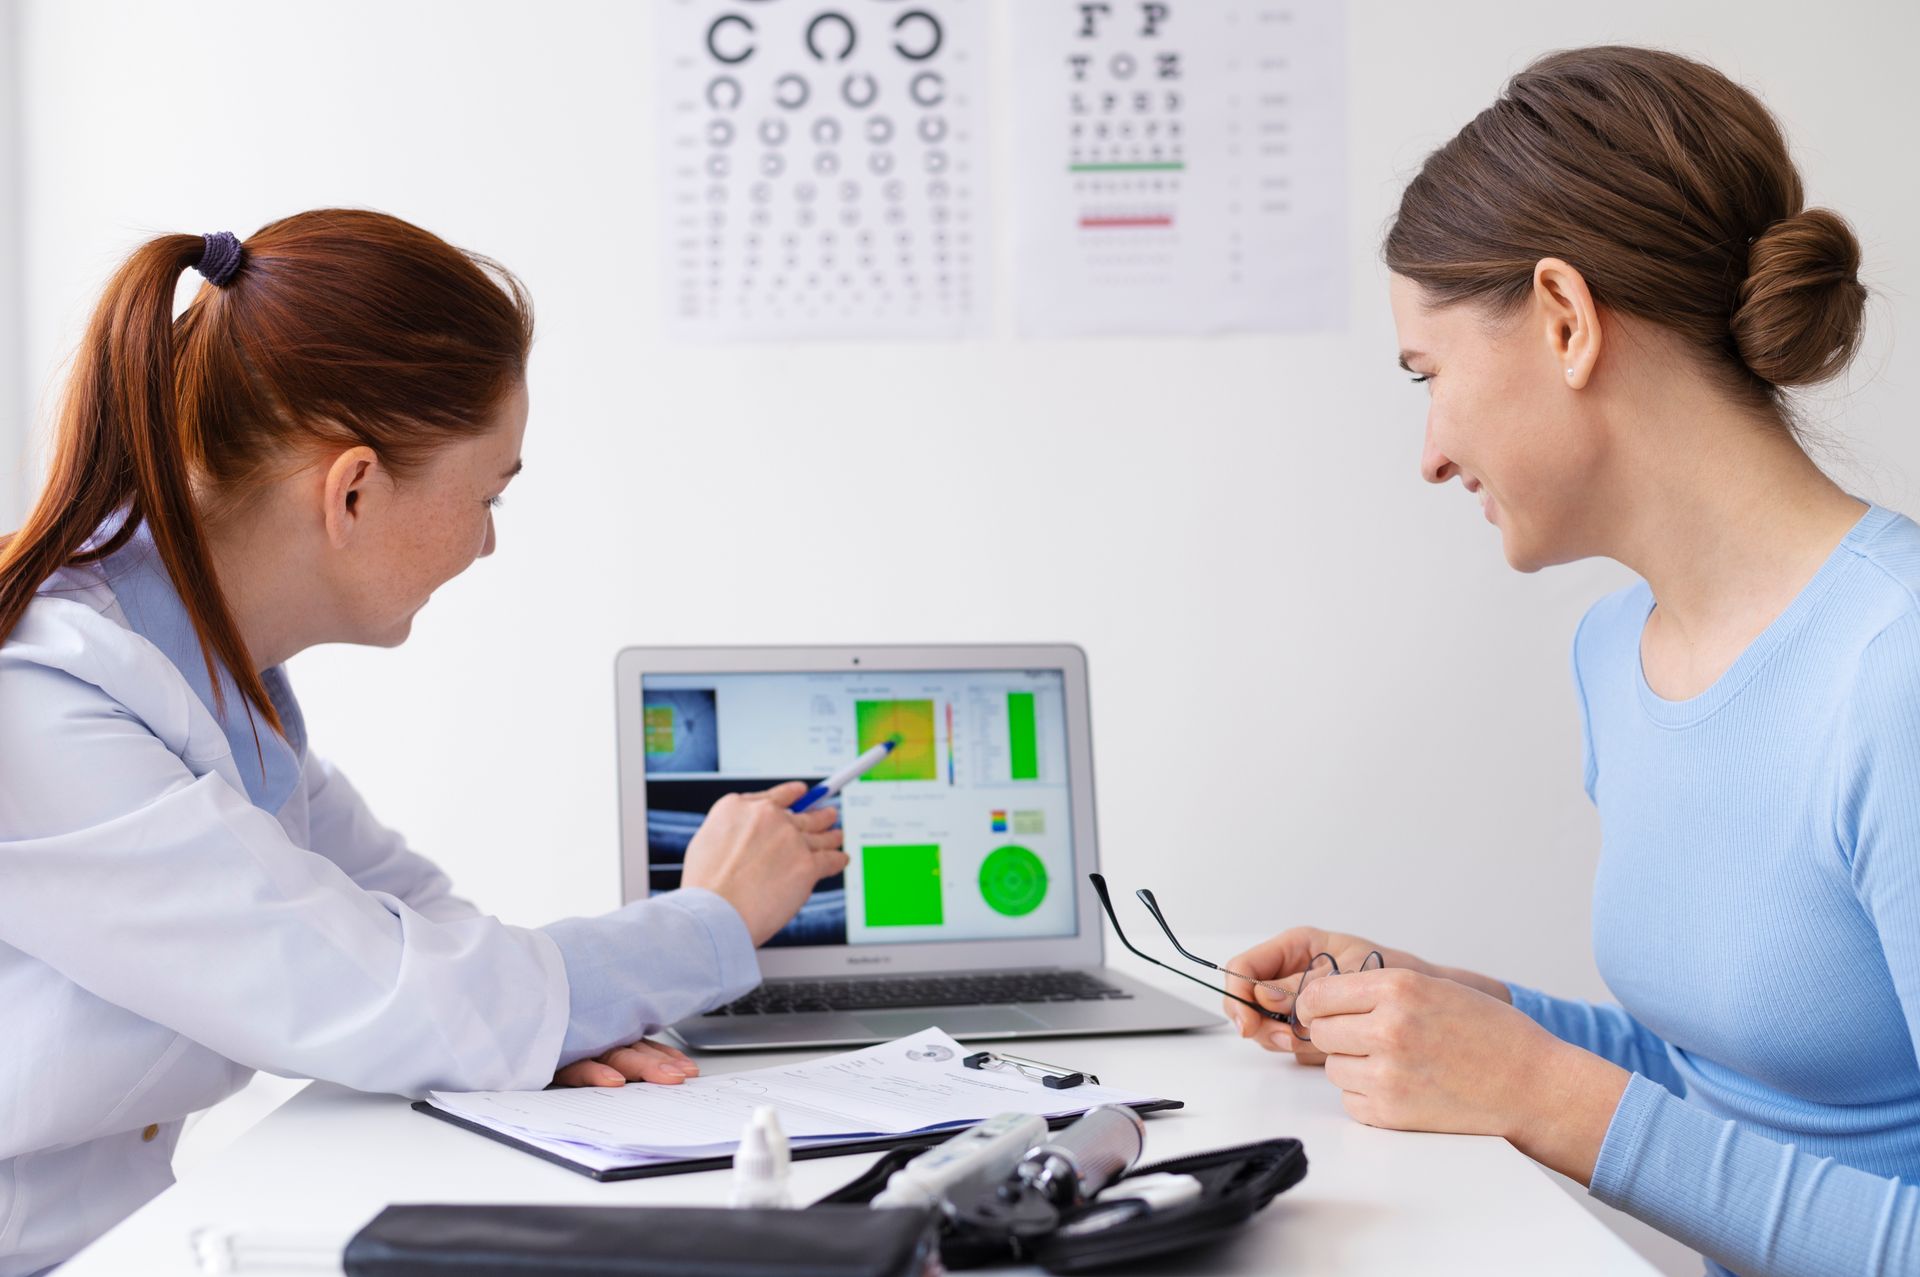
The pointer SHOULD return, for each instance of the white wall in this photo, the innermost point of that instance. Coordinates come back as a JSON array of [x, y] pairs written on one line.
[[14, 402], [1320, 694]]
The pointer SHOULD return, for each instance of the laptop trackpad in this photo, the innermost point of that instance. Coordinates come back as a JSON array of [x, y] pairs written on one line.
[[957, 1021]]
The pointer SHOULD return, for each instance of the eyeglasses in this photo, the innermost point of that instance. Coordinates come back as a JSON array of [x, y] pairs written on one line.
[[1323, 964]]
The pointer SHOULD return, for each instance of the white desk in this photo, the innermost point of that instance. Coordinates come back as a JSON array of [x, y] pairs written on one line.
[[1373, 1201]]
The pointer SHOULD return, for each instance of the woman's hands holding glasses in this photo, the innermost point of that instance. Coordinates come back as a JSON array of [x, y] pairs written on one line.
[[1274, 972], [1418, 1047], [1412, 1046]]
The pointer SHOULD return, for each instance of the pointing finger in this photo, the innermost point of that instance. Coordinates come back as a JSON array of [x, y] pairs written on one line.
[[784, 795]]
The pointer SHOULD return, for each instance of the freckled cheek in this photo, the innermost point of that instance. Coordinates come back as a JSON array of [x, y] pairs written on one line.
[[443, 550], [461, 551]]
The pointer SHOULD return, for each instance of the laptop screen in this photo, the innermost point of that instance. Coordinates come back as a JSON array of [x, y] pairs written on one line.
[[962, 832]]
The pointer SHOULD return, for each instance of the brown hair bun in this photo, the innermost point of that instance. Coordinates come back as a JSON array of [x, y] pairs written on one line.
[[1671, 190], [1798, 316]]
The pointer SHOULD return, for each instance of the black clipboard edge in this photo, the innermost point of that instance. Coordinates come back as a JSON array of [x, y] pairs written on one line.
[[695, 1164]]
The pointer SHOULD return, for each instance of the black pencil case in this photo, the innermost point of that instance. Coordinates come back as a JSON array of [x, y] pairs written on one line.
[[642, 1241], [1235, 1184]]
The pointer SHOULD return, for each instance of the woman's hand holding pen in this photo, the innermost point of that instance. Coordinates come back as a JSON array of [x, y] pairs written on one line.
[[762, 858], [1416, 1047]]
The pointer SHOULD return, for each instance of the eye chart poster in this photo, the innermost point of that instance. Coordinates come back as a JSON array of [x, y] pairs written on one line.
[[823, 164], [1179, 166]]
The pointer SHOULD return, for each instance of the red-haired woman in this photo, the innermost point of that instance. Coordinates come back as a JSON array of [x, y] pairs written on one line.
[[187, 894], [1605, 282]]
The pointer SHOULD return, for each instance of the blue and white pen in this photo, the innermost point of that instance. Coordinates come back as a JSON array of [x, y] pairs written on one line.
[[853, 771]]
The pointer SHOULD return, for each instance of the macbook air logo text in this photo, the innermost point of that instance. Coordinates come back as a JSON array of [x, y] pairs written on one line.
[[853, 961]]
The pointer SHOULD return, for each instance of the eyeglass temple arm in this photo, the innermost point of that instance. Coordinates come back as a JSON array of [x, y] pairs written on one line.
[[1106, 902], [1153, 906], [1146, 898]]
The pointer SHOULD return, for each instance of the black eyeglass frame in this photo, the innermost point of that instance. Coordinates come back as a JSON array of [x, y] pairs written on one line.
[[1153, 906]]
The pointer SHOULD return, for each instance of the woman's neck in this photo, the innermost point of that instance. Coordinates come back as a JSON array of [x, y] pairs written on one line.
[[268, 584], [1727, 519]]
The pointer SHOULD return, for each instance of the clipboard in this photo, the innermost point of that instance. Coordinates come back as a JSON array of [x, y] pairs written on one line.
[[652, 1169]]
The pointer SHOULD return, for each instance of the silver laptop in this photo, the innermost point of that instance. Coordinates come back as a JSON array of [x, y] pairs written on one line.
[[966, 902]]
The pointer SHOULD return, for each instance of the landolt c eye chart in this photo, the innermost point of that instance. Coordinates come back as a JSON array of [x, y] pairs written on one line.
[[823, 166]]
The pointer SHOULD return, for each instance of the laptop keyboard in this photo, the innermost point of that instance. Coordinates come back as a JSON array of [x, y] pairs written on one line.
[[874, 993]]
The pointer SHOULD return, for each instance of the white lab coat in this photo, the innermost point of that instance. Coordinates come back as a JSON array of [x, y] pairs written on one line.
[[161, 937]]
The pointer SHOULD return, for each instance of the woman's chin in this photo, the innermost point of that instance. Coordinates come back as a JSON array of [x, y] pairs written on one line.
[[1527, 554], [1520, 556], [395, 634]]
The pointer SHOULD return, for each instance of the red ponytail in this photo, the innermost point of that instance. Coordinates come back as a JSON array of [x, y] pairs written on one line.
[[341, 328]]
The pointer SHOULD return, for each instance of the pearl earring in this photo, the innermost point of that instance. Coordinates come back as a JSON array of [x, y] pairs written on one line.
[[1569, 372]]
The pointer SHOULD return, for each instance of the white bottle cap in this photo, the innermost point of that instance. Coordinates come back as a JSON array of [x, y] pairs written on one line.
[[761, 1162]]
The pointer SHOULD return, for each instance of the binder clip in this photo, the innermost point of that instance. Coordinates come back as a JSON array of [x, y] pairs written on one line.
[[1051, 1076]]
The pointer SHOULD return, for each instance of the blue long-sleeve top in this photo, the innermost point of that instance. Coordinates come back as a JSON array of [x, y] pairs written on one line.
[[1757, 914]]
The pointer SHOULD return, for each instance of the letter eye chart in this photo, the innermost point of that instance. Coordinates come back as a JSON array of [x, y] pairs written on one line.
[[1179, 165], [823, 166]]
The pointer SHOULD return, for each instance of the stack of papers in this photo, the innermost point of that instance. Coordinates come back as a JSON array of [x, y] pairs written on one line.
[[914, 1085]]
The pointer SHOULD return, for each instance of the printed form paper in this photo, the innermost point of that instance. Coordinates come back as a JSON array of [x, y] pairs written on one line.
[[916, 1083]]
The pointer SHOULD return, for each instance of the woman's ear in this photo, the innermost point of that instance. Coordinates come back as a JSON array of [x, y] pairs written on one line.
[[1569, 322], [349, 480]]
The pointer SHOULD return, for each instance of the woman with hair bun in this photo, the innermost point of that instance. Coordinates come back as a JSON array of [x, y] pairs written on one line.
[[1608, 282], [187, 894]]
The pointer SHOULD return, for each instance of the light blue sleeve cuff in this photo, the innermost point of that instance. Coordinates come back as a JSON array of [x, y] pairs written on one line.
[[736, 961], [1626, 1133], [649, 963], [1529, 1002], [1584, 1024]]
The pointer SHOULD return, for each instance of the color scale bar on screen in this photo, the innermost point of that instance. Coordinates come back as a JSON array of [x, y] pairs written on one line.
[[949, 743]]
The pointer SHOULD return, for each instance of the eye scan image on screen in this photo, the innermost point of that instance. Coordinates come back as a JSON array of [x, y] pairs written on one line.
[[963, 832]]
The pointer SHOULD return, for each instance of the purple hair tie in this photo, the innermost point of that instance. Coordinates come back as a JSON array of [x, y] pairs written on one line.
[[220, 258]]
